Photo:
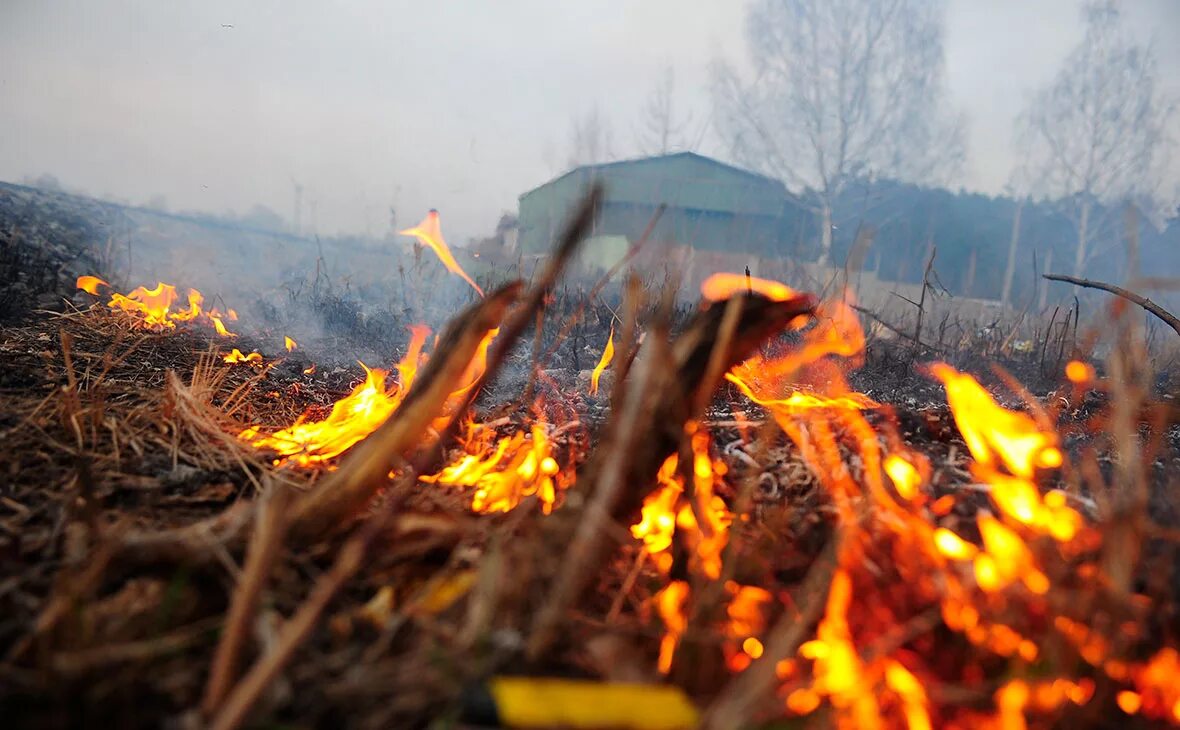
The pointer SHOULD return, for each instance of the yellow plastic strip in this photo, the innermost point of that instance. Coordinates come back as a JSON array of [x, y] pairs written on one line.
[[524, 702]]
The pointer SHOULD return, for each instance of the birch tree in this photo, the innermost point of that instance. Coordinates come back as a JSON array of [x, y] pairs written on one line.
[[591, 139], [1096, 135], [663, 128], [840, 89]]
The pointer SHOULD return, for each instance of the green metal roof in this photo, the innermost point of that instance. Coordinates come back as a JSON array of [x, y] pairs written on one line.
[[681, 180]]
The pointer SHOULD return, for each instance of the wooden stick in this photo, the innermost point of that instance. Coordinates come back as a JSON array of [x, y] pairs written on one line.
[[1167, 317]]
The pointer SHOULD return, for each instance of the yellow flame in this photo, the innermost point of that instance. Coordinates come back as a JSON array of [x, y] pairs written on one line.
[[289, 343], [722, 286], [504, 474], [994, 434], [236, 356], [351, 419], [153, 308], [429, 233], [90, 284], [608, 354]]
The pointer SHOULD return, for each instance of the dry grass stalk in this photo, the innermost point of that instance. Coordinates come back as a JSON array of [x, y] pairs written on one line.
[[260, 557]]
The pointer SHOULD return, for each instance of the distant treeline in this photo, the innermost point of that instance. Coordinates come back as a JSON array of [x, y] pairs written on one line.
[[972, 233]]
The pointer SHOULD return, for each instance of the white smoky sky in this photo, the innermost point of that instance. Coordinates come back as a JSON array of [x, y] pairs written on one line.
[[456, 105]]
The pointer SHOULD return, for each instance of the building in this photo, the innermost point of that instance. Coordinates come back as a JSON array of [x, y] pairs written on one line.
[[711, 206]]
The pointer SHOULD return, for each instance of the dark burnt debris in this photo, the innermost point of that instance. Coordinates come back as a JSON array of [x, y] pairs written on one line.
[[133, 518]]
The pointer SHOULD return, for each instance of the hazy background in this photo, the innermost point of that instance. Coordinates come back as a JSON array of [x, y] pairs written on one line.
[[217, 106]]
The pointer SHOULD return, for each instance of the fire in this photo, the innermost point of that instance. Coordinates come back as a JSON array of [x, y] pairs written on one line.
[[501, 475], [289, 343], [720, 287], [667, 510], [153, 308], [351, 419], [236, 356], [837, 667], [90, 284], [994, 434], [608, 354], [670, 604], [429, 233]]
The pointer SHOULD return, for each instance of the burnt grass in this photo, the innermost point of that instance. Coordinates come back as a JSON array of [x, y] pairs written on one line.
[[95, 446]]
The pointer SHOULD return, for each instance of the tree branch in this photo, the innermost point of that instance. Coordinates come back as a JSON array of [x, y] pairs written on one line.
[[1168, 318]]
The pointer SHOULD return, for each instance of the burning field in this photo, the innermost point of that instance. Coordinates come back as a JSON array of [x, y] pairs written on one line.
[[725, 519]]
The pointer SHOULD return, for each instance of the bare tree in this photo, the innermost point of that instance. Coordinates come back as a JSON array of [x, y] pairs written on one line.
[[1097, 134], [663, 129], [591, 139], [840, 89]]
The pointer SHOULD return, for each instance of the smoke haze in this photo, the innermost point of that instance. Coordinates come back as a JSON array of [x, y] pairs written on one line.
[[218, 106]]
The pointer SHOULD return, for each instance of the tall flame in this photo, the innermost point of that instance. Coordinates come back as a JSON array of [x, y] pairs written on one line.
[[608, 354], [429, 233]]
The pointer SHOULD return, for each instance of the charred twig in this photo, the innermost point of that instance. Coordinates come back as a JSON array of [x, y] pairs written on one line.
[[1164, 315]]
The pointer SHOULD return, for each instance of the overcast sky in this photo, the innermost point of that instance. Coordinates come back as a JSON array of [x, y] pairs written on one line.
[[460, 105]]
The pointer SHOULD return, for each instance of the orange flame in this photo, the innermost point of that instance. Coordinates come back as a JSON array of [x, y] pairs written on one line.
[[666, 511], [670, 604], [994, 434], [515, 468], [236, 356], [153, 308], [429, 233], [90, 284], [351, 419], [608, 354], [722, 286]]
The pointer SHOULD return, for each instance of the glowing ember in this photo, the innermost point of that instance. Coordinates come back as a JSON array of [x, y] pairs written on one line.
[[608, 354], [1079, 372], [429, 233]]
